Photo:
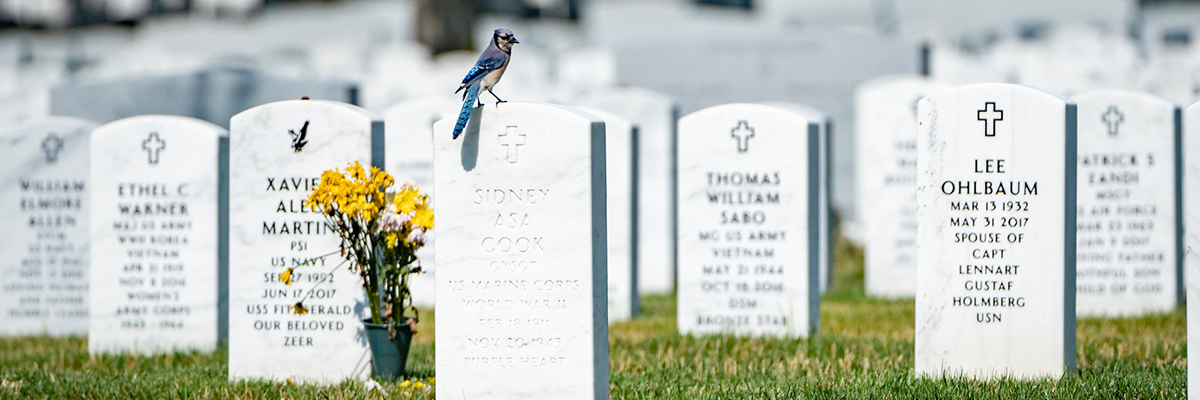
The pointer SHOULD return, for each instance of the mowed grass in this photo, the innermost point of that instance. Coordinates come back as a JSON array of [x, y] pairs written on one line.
[[864, 350]]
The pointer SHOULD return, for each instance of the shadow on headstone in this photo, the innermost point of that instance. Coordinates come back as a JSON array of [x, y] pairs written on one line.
[[470, 147]]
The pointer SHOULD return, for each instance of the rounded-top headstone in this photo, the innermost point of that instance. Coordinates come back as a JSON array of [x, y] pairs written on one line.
[[277, 154], [44, 200], [748, 198], [156, 233], [996, 233], [522, 254], [1129, 221]]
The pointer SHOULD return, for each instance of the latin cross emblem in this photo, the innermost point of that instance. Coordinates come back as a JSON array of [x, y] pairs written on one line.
[[299, 139], [511, 139], [989, 115], [153, 145], [742, 133], [1113, 118], [52, 145]]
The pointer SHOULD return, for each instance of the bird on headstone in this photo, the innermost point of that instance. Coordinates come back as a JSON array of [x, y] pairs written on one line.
[[485, 75]]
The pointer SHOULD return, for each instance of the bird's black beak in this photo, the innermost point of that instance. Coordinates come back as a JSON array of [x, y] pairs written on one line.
[[514, 41]]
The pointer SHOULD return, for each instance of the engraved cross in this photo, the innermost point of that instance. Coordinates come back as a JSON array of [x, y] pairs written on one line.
[[742, 133], [1113, 118], [52, 145], [989, 115], [153, 145], [511, 139]]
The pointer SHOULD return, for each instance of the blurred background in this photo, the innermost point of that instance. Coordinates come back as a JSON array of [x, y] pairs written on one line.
[[107, 59]]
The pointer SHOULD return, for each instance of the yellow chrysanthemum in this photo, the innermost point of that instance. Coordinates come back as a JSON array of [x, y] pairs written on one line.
[[352, 192], [381, 178], [299, 308], [407, 199], [391, 240], [286, 276], [356, 171], [423, 217]]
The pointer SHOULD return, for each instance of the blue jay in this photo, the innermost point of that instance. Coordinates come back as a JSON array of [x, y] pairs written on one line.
[[485, 75]]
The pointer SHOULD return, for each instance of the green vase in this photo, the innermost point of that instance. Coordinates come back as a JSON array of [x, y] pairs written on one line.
[[388, 356]]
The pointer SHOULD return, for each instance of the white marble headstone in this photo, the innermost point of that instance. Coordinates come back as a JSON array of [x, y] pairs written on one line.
[[1127, 259], [44, 207], [408, 128], [155, 235], [655, 115], [277, 154], [995, 233], [748, 183], [886, 113], [1191, 220], [620, 136], [522, 304]]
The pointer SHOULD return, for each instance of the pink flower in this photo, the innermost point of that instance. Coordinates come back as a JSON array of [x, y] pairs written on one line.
[[392, 222], [417, 237]]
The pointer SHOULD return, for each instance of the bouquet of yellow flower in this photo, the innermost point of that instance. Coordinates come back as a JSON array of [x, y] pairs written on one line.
[[380, 232]]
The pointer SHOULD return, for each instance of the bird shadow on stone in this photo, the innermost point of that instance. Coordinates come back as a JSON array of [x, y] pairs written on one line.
[[470, 137]]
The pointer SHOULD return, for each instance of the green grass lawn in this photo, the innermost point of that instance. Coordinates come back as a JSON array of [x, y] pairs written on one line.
[[864, 350]]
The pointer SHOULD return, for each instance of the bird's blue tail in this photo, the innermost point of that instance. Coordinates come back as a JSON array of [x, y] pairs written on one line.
[[468, 104]]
